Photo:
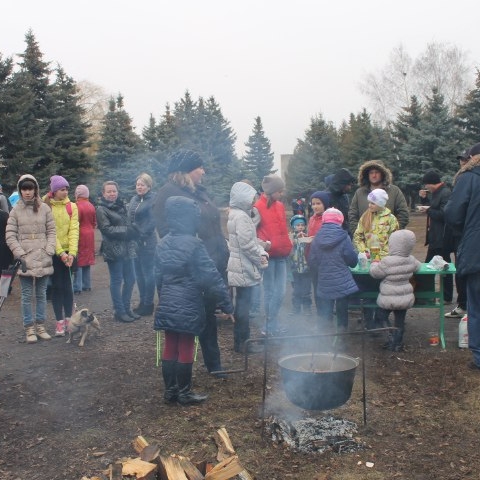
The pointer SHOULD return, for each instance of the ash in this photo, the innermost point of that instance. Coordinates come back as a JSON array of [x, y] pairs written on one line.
[[312, 435]]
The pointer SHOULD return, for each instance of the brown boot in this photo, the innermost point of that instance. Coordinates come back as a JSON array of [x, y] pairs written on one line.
[[30, 333], [41, 332]]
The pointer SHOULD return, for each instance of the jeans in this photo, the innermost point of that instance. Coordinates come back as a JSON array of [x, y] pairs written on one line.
[[241, 327], [122, 281], [274, 287], [27, 286], [341, 308], [81, 279], [473, 295], [144, 272], [256, 298]]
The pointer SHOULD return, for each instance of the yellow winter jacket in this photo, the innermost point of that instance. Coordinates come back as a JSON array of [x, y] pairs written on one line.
[[67, 225]]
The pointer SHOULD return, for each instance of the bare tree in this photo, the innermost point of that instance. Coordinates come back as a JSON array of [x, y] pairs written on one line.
[[440, 65]]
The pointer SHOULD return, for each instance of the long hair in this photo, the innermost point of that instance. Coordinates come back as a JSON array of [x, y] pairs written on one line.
[[366, 220], [182, 180]]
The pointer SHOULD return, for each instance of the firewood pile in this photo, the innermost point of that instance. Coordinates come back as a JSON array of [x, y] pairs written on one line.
[[150, 465]]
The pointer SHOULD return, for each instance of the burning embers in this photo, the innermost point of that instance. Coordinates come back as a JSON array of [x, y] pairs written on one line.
[[312, 435]]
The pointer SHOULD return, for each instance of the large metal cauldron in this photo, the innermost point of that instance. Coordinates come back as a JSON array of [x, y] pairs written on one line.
[[318, 381]]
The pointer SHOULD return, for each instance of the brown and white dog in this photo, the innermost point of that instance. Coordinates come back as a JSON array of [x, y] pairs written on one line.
[[81, 321]]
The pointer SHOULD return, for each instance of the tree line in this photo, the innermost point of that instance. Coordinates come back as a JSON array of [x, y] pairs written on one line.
[[45, 129]]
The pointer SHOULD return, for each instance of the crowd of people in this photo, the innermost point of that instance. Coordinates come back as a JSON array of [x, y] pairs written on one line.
[[171, 242]]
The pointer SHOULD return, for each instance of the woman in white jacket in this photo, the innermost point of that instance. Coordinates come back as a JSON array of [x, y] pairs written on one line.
[[247, 258]]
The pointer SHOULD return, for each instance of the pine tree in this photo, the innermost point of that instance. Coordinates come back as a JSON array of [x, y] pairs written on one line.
[[67, 133], [315, 157], [468, 116], [433, 145], [258, 159]]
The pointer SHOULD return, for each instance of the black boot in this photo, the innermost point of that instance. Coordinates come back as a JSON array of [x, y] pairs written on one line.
[[169, 372], [184, 378], [144, 310], [138, 307]]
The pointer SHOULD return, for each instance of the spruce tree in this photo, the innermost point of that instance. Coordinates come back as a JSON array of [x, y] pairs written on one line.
[[258, 159], [468, 116]]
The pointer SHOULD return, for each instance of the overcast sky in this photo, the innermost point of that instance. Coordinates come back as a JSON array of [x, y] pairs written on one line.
[[283, 61]]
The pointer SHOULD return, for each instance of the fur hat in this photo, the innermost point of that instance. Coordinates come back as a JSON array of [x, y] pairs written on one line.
[[296, 219], [57, 182], [431, 177], [184, 161], [272, 184], [332, 215], [324, 197], [82, 191], [378, 197]]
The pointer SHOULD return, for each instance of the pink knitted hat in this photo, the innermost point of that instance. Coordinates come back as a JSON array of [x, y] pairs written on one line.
[[332, 215], [82, 191]]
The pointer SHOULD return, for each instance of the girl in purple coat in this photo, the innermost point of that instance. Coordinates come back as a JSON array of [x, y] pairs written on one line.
[[331, 255]]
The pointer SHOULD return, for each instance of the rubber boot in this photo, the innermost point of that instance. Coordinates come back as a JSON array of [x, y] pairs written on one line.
[[41, 332], [144, 310], [169, 372], [184, 378], [138, 308], [30, 334]]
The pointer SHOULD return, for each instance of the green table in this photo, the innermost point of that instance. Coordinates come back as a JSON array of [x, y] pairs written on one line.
[[425, 297]]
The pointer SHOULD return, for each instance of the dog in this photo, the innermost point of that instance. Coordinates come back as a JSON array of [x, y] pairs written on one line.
[[81, 321]]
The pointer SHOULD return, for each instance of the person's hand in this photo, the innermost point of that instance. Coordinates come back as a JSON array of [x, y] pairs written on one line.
[[70, 259], [423, 193], [229, 316], [268, 244], [264, 260]]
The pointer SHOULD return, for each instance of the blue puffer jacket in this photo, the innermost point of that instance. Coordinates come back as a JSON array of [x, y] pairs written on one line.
[[185, 272], [331, 254]]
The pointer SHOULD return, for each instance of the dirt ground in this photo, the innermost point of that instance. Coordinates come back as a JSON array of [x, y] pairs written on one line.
[[68, 412]]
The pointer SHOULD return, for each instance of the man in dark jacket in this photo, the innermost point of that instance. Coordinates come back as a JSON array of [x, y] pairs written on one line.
[[435, 238], [339, 185], [462, 212]]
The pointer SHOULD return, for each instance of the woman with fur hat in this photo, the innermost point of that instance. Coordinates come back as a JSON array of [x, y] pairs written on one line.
[[331, 255], [31, 237], [141, 214], [65, 214], [273, 228], [87, 220], [371, 175], [185, 173]]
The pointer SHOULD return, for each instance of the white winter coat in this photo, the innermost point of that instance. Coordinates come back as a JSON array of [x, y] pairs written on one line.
[[395, 270], [244, 264]]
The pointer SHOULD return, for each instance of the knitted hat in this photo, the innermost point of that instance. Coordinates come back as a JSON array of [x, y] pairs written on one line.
[[184, 161], [272, 184], [82, 191], [431, 178], [378, 197], [332, 215], [57, 182], [296, 220], [324, 197], [475, 150]]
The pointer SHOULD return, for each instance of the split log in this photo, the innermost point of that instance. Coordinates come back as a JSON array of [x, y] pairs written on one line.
[[142, 470], [150, 453], [139, 444], [228, 468], [171, 469], [224, 444], [191, 471]]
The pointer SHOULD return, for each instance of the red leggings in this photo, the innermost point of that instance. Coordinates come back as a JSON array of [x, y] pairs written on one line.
[[178, 346]]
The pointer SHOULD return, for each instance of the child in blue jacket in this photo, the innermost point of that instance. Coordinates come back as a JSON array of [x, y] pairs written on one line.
[[331, 255]]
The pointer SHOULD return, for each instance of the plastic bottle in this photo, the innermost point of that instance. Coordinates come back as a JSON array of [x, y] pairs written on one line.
[[463, 332], [374, 248], [362, 261]]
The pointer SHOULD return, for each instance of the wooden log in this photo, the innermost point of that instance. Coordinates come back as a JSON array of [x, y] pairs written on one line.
[[139, 444], [228, 468], [224, 444], [191, 471], [142, 470], [150, 453], [170, 469]]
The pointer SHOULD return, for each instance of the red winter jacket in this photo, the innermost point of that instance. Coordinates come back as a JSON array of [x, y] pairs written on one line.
[[87, 220], [273, 227]]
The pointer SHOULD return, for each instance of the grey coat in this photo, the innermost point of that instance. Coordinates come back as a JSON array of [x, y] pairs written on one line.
[[244, 264], [31, 235], [395, 271]]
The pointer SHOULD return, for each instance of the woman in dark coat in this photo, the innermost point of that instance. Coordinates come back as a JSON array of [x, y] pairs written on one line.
[[185, 174], [184, 273], [140, 213], [118, 250]]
